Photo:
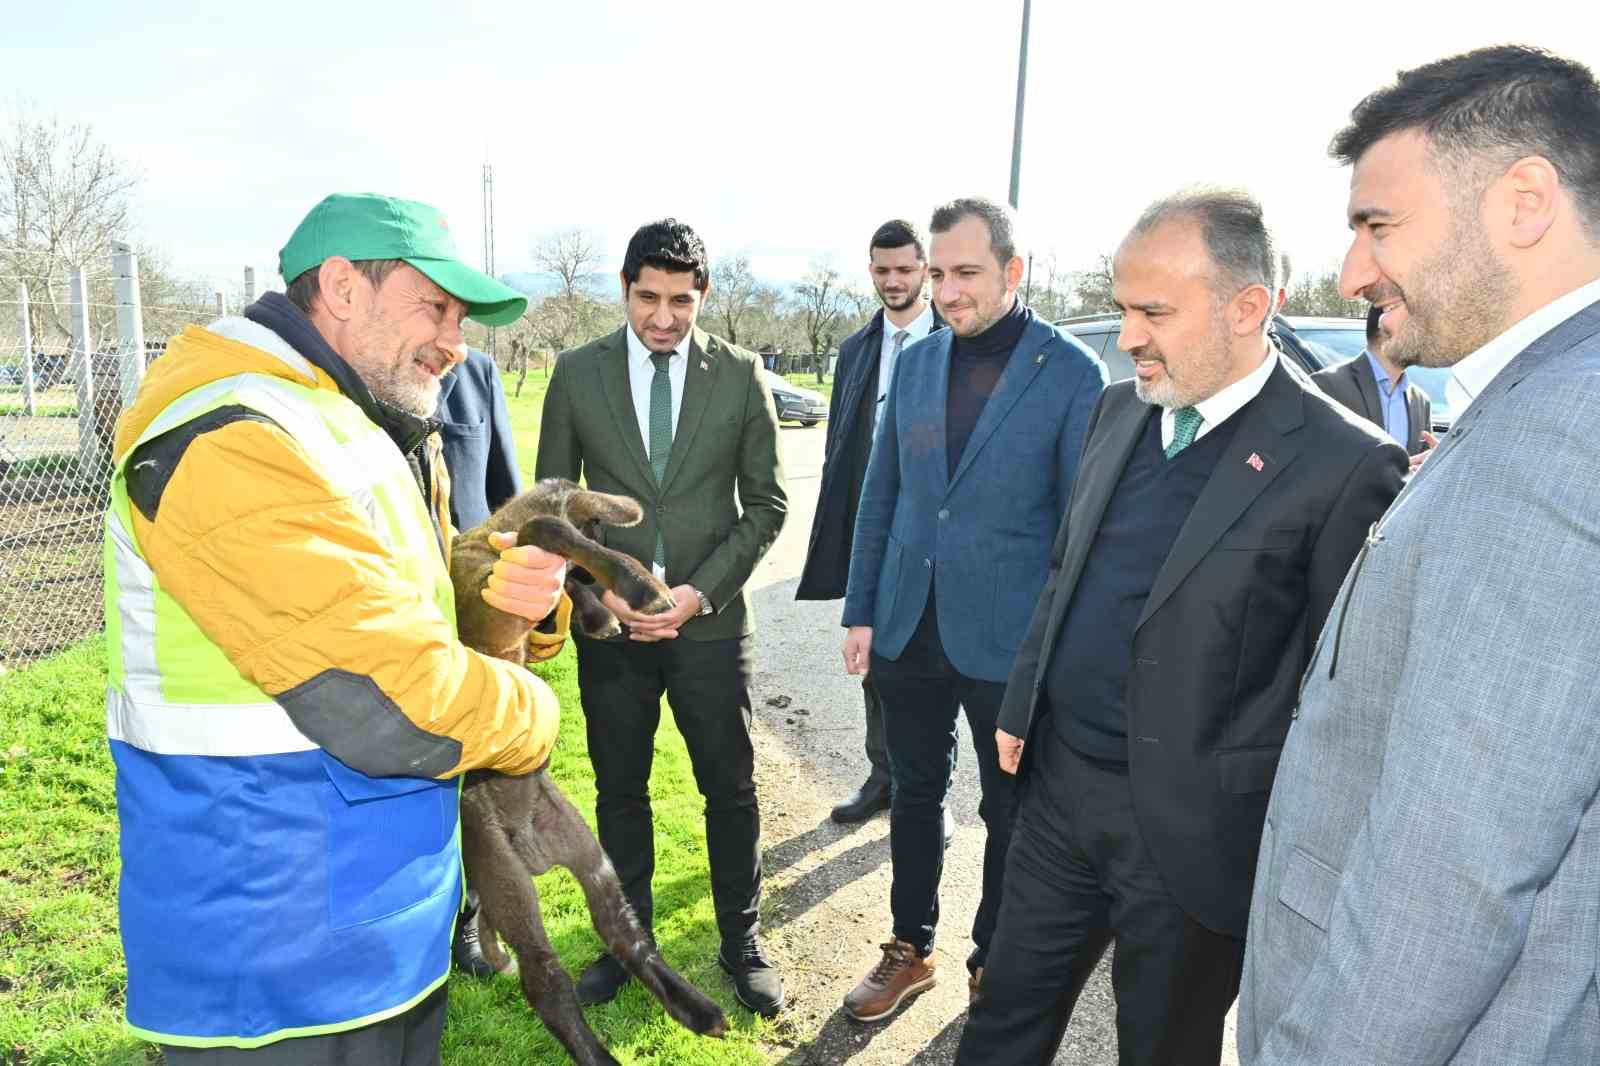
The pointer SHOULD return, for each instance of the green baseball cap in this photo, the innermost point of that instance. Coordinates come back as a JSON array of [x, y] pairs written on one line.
[[369, 226]]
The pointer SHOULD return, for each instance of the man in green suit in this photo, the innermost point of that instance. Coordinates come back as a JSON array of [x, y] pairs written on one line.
[[682, 422]]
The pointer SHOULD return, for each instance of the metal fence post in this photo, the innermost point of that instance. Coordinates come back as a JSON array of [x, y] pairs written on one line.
[[28, 403], [130, 319], [82, 344], [222, 305], [249, 285]]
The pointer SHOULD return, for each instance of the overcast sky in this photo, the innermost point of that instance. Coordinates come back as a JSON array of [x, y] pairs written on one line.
[[782, 131]]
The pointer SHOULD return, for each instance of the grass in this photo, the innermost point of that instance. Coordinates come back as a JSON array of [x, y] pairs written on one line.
[[62, 980], [808, 379]]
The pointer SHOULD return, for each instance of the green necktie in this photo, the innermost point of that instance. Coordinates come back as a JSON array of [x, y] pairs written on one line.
[[660, 433], [1185, 424]]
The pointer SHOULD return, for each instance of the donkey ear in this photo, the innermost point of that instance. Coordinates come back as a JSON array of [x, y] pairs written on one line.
[[587, 506]]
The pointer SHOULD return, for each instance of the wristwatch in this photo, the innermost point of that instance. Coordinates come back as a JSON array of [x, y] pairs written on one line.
[[705, 604]]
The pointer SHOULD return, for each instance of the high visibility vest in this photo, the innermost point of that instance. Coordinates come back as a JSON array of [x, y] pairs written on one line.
[[268, 889]]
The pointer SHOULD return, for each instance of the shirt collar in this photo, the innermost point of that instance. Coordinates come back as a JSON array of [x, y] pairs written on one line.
[[1222, 406], [1472, 374], [1380, 374], [919, 327], [640, 355]]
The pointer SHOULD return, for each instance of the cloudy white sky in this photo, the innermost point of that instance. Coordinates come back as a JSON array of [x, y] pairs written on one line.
[[784, 131]]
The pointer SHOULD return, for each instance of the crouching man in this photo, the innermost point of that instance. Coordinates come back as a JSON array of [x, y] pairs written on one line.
[[289, 707]]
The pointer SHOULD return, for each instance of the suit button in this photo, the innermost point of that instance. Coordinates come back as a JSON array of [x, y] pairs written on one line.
[[943, 514], [928, 563]]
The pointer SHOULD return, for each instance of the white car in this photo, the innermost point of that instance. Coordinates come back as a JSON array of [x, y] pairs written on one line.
[[794, 403]]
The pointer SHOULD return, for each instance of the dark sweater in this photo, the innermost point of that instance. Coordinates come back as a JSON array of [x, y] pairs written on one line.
[[976, 364], [1087, 681]]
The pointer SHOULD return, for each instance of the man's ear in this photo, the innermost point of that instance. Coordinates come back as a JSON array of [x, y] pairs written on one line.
[[1014, 269], [337, 279], [1530, 191], [1250, 309], [623, 277]]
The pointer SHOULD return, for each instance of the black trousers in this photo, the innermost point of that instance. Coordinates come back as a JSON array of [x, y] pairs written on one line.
[[707, 682], [877, 747], [1079, 876], [409, 1039], [922, 694]]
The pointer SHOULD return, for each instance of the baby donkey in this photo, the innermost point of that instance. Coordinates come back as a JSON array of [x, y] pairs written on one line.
[[513, 828]]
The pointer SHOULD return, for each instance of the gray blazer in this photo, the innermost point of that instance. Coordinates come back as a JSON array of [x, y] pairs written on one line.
[[1352, 384], [1428, 886]]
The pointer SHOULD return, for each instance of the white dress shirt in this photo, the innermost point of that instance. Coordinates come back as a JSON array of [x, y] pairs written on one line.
[[1470, 376], [1226, 403], [918, 328], [642, 371]]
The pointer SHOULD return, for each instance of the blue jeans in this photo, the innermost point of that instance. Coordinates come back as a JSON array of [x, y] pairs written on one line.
[[922, 693]]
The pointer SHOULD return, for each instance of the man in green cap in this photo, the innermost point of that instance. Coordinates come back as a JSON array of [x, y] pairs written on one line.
[[289, 708]]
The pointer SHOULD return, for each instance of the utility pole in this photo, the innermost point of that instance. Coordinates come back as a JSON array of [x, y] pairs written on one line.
[[488, 236], [1016, 133]]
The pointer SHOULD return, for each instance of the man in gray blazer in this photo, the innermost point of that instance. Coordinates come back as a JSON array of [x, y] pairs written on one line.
[[1428, 886], [1378, 389]]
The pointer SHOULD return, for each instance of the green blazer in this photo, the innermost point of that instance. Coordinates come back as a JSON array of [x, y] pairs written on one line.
[[723, 499]]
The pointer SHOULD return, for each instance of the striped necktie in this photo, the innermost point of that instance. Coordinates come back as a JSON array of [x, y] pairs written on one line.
[[1185, 424], [660, 433]]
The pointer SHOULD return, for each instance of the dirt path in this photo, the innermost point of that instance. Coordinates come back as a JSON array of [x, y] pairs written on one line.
[[827, 886]]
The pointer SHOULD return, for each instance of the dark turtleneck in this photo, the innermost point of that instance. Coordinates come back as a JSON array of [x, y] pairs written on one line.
[[976, 364]]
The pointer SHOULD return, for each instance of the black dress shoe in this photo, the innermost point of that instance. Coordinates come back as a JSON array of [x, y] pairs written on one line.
[[466, 951], [868, 800], [602, 981], [756, 983]]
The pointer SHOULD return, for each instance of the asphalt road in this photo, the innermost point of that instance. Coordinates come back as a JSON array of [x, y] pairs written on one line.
[[828, 886]]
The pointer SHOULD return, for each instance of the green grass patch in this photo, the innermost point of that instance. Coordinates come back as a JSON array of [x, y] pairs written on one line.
[[62, 980], [807, 379]]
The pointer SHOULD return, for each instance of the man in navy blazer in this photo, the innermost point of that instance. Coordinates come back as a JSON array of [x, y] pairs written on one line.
[[971, 470], [479, 451], [898, 261]]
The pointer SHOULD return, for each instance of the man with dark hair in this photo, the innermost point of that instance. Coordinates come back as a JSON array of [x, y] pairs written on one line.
[[898, 267], [1428, 889], [289, 709], [682, 422], [1220, 501], [971, 468], [1376, 388]]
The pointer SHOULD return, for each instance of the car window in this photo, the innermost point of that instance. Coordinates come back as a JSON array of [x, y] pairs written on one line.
[[1102, 340], [1334, 345], [1432, 380]]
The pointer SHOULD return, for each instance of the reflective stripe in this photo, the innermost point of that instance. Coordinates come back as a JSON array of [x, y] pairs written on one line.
[[259, 337], [227, 729], [136, 610]]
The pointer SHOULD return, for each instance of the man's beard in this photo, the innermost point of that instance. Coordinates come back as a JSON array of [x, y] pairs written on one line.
[[905, 302], [1457, 301], [1202, 377], [397, 387]]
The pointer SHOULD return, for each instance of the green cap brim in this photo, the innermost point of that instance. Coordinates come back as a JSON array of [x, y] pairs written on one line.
[[488, 301]]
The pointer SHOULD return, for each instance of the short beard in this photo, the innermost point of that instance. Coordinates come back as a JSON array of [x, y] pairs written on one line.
[[911, 298], [1458, 299], [413, 397], [1202, 377]]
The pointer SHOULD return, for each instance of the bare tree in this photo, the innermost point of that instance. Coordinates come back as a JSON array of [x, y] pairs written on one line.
[[821, 299], [734, 294], [1318, 294], [573, 255], [1094, 289], [63, 197]]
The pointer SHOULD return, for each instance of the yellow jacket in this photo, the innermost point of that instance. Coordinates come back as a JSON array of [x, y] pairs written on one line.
[[284, 572]]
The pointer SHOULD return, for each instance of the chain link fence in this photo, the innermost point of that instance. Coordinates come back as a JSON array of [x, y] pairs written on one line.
[[63, 384]]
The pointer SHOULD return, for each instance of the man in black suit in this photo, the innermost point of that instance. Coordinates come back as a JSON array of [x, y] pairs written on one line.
[[899, 270], [1379, 390], [1220, 500]]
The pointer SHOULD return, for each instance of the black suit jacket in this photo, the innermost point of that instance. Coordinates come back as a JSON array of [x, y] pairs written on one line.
[[1228, 627], [1352, 384], [723, 500], [844, 465]]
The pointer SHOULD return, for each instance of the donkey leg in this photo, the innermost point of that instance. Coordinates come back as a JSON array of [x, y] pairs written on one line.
[[592, 617], [620, 573], [563, 837], [510, 904]]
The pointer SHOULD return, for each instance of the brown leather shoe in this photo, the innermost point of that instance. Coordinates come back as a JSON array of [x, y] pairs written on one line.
[[900, 973], [973, 981]]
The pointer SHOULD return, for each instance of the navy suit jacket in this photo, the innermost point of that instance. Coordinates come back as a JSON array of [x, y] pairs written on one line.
[[844, 464], [479, 450], [983, 533]]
